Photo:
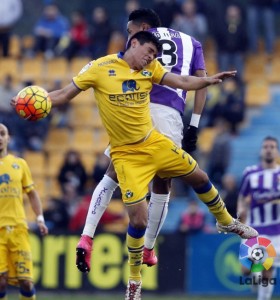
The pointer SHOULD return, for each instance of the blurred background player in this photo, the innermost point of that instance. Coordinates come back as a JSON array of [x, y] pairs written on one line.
[[259, 204], [15, 252], [181, 54]]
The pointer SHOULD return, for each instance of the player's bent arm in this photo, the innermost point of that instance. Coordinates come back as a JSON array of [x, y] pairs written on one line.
[[62, 96], [36, 206]]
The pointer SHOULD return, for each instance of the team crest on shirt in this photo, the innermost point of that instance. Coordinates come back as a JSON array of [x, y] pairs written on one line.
[[128, 194], [86, 67], [146, 73], [15, 166], [5, 178]]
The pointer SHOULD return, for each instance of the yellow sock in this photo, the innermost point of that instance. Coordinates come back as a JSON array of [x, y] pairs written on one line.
[[4, 298], [135, 245], [210, 196]]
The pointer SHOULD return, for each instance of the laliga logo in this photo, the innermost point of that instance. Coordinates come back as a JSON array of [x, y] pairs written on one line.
[[257, 254]]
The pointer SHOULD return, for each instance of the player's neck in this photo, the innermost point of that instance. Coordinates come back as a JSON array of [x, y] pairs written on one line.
[[269, 165], [128, 58], [3, 153]]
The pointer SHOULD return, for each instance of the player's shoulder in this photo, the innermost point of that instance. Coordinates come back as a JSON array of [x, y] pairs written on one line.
[[16, 160], [249, 170]]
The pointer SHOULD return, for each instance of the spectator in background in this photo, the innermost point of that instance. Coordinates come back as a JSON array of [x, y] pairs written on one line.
[[130, 6], [10, 12], [73, 173], [261, 12], [100, 168], [56, 214], [100, 32], [51, 27], [166, 9], [231, 40], [191, 22], [231, 105], [219, 157], [192, 219], [229, 192], [78, 40]]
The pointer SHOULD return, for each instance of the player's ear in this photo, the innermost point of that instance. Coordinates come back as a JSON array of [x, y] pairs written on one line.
[[145, 26], [134, 43]]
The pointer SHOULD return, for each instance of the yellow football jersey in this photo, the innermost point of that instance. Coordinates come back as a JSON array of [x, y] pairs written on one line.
[[122, 94], [15, 178]]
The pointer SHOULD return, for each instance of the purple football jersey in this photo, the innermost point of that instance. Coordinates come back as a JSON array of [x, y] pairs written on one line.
[[181, 55], [263, 187]]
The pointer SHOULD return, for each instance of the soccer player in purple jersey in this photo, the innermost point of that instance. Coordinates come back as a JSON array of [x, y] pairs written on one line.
[[259, 203]]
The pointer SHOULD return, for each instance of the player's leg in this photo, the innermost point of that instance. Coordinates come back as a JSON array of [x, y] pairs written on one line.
[[21, 260], [172, 161], [135, 172], [209, 195], [265, 289], [98, 204], [157, 211], [3, 263]]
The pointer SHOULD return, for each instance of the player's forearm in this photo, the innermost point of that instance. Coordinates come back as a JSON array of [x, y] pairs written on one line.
[[199, 101], [35, 203], [62, 96], [190, 83], [58, 97]]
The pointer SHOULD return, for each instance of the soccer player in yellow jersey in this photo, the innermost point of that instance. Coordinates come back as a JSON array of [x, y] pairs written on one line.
[[122, 83], [15, 252]]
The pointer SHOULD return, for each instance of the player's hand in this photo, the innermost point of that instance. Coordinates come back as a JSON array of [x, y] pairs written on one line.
[[43, 228], [13, 102], [219, 77], [190, 139]]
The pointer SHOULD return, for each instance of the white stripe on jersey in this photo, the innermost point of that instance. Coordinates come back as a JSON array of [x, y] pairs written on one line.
[[267, 179]]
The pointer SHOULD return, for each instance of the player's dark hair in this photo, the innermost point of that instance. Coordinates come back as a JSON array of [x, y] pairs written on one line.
[[271, 138], [145, 15], [145, 37]]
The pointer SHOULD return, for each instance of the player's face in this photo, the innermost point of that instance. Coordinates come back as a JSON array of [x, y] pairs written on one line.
[[269, 151], [4, 137], [133, 28], [143, 54]]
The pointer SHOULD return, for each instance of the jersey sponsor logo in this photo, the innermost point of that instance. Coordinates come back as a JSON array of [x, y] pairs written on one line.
[[108, 62], [15, 166], [5, 178], [130, 86], [129, 99]]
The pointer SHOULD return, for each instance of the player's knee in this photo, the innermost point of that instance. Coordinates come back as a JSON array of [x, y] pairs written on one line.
[[26, 285], [139, 222], [112, 173], [3, 282]]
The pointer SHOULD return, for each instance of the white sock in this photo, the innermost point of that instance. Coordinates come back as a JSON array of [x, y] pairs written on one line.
[[99, 201], [265, 292], [157, 212]]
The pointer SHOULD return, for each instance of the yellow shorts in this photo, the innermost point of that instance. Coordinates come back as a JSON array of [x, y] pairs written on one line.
[[15, 254], [137, 164]]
